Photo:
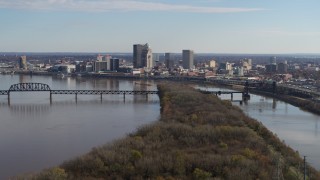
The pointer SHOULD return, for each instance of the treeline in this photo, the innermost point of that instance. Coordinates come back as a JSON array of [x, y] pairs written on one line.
[[197, 137]]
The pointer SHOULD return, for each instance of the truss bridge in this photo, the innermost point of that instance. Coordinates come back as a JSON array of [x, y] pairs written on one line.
[[40, 87]]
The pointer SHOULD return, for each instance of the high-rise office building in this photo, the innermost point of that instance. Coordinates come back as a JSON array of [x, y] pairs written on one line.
[[247, 64], [169, 60], [273, 60], [283, 68], [99, 57], [212, 64], [100, 66], [142, 56], [271, 68], [114, 64], [187, 59], [107, 59], [23, 62]]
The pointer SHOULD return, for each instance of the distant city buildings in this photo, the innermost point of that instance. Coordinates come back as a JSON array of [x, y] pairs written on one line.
[[174, 64], [106, 63], [272, 67], [142, 56], [239, 71], [23, 62], [225, 66], [187, 59], [64, 68]]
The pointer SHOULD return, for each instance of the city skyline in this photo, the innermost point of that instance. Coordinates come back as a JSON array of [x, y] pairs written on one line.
[[206, 26]]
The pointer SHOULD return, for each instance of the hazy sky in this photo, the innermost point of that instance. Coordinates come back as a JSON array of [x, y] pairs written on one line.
[[206, 26]]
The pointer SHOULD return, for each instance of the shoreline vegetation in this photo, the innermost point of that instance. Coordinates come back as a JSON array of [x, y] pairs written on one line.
[[198, 136]]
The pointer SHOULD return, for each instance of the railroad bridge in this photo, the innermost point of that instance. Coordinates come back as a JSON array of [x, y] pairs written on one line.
[[28, 87]]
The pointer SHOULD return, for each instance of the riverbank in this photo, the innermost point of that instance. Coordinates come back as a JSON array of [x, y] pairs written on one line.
[[197, 137], [304, 104]]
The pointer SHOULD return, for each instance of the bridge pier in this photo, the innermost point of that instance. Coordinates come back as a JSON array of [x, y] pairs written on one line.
[[9, 98], [124, 96], [50, 97], [231, 96], [76, 97], [101, 97]]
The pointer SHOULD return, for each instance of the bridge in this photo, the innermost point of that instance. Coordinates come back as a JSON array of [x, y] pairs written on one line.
[[222, 92], [270, 87], [217, 93], [32, 87]]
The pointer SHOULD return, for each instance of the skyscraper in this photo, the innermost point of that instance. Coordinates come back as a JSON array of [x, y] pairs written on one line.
[[187, 59], [169, 60], [114, 64], [247, 64], [283, 68], [273, 60], [212, 64], [142, 56], [23, 62]]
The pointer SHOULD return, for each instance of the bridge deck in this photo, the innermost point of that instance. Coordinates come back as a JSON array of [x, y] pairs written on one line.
[[97, 92], [221, 92], [3, 92]]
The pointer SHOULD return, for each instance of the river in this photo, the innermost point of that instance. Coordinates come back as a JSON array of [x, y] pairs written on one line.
[[35, 134], [297, 128]]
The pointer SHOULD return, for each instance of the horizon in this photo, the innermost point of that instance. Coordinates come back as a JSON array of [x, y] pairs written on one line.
[[201, 53], [219, 26]]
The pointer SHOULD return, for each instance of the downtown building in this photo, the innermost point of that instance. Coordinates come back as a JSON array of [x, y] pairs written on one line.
[[272, 67], [23, 62], [106, 63], [142, 56], [283, 67], [187, 59], [169, 60]]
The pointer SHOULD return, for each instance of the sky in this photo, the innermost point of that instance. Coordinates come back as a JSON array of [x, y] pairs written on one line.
[[205, 26]]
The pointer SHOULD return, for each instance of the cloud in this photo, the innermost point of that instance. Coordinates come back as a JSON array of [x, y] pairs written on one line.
[[114, 5]]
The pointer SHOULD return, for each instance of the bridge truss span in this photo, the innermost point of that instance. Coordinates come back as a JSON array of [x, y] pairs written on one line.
[[30, 87], [27, 87]]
